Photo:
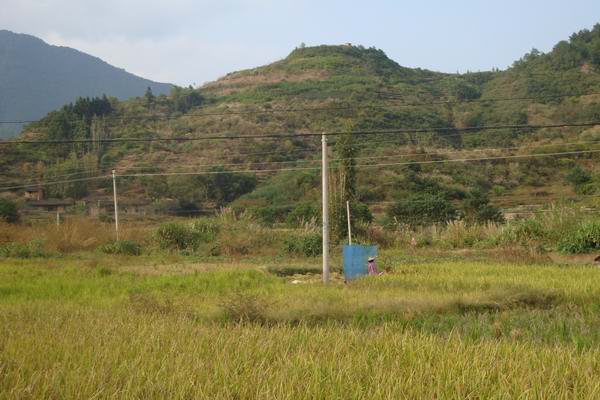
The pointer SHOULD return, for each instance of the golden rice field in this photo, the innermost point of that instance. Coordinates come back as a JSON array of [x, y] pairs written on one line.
[[107, 327]]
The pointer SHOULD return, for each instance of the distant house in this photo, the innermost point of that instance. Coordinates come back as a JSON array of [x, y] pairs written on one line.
[[106, 206], [51, 205], [34, 193]]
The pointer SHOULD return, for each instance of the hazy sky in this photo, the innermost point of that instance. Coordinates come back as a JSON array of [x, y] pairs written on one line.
[[187, 41]]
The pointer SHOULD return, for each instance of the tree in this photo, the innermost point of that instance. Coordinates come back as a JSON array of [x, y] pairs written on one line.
[[149, 96], [226, 187], [346, 151], [344, 189], [582, 180], [465, 91], [578, 176], [478, 209], [8, 211], [183, 99], [422, 209]]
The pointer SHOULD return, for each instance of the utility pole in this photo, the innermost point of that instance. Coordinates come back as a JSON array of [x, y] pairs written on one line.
[[115, 200], [349, 226], [325, 210]]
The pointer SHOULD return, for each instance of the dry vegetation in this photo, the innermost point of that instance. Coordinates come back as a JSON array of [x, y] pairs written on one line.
[[111, 327]]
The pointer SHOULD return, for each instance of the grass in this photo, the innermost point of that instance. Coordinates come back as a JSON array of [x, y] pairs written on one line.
[[91, 326]]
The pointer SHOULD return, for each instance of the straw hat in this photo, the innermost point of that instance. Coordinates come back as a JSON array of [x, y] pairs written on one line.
[[371, 259]]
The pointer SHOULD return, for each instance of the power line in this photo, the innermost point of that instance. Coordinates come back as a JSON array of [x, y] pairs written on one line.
[[379, 157], [453, 160], [300, 151], [41, 184], [299, 135]]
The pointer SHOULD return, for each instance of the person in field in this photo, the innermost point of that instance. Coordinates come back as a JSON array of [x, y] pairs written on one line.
[[371, 267]]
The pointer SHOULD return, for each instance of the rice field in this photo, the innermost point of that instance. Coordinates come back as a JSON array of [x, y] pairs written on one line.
[[82, 327]]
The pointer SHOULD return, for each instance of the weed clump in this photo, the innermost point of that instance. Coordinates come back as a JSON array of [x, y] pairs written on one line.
[[584, 239], [31, 249], [309, 245], [122, 247], [243, 307], [523, 232], [146, 303], [176, 236]]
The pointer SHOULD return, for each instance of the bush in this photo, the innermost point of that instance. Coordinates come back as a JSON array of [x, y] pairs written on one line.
[[459, 234], [9, 211], [303, 212], [584, 239], [123, 247], [422, 209], [242, 307], [205, 229], [478, 209], [309, 245], [175, 236], [31, 249], [523, 232], [268, 215]]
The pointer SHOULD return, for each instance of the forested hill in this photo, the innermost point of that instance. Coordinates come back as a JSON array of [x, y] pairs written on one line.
[[36, 78], [341, 88]]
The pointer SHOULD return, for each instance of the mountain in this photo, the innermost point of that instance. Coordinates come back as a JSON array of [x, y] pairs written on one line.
[[36, 78], [339, 88]]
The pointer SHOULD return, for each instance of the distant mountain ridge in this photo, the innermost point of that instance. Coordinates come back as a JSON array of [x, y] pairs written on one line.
[[36, 78]]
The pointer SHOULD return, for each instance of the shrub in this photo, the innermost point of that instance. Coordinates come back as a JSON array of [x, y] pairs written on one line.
[[176, 236], [584, 239], [268, 215], [423, 209], [458, 234], [8, 211], [123, 247], [31, 249], [523, 232], [205, 229], [243, 307], [303, 212], [478, 209], [578, 176], [309, 245]]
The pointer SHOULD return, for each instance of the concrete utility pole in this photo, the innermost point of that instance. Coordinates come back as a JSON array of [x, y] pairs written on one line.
[[325, 210], [349, 227], [115, 200]]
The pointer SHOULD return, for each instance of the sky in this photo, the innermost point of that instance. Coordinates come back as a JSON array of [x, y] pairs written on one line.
[[190, 42]]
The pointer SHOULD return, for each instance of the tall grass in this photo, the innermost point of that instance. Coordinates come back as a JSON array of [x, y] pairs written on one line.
[[239, 235], [74, 234], [93, 354], [71, 330]]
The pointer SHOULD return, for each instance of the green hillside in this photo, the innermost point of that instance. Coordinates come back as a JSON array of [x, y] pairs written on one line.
[[340, 88]]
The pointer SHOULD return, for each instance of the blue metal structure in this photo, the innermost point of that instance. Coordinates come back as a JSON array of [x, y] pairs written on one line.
[[355, 260]]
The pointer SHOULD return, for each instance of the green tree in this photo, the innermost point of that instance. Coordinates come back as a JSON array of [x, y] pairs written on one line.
[[578, 176], [9, 211], [478, 209], [183, 99], [344, 189], [224, 187], [422, 209], [149, 96]]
